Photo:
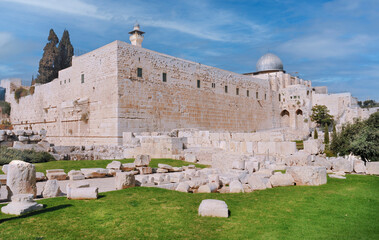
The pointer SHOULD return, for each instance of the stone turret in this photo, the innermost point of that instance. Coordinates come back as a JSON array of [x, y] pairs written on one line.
[[136, 36]]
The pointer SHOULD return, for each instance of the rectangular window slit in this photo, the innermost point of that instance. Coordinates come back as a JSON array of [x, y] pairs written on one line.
[[198, 83], [164, 77]]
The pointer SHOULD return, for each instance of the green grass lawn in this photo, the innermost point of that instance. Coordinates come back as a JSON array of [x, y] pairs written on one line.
[[341, 209], [77, 165]]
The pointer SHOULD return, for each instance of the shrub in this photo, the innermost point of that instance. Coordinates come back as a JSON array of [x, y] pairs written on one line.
[[360, 138], [315, 134], [326, 134], [20, 92], [5, 107], [31, 156]]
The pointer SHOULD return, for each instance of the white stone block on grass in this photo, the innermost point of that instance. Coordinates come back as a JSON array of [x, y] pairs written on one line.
[[213, 208], [21, 204], [82, 193], [256, 182], [124, 180], [51, 189], [21, 178], [142, 160], [183, 187], [116, 165], [307, 175], [281, 180], [372, 168], [235, 186]]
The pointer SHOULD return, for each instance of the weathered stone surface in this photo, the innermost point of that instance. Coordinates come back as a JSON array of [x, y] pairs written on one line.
[[128, 167], [238, 164], [214, 178], [264, 173], [161, 170], [35, 138], [372, 168], [3, 179], [76, 175], [82, 193], [142, 160], [116, 165], [213, 208], [5, 168], [124, 180], [21, 178], [57, 174], [252, 166], [5, 193], [280, 180], [144, 170], [308, 175], [343, 164], [176, 169], [40, 176], [207, 188], [235, 186], [190, 158], [21, 204], [320, 162], [256, 182], [23, 139], [359, 166], [183, 187], [314, 146], [336, 176], [94, 172], [51, 189], [164, 166]]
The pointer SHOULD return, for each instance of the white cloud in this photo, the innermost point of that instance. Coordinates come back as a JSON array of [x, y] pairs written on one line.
[[75, 7]]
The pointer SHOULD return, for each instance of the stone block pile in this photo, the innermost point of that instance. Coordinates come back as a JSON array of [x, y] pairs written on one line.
[[24, 139]]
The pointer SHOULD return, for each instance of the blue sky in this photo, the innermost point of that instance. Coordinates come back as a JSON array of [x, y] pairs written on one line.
[[332, 43]]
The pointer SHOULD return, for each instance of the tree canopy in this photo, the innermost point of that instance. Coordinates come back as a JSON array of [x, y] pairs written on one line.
[[320, 115], [55, 58]]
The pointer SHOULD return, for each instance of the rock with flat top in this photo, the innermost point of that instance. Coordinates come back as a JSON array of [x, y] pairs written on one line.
[[308, 175], [51, 189], [144, 170], [116, 165], [235, 186], [21, 204], [183, 187], [372, 168], [128, 167], [142, 160], [56, 174], [281, 180], [82, 193], [94, 172], [124, 180], [207, 188], [21, 178], [213, 208], [164, 166], [256, 182]]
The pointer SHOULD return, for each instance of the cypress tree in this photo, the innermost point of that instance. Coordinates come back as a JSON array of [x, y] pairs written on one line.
[[334, 134], [326, 134], [315, 134], [47, 65], [66, 51]]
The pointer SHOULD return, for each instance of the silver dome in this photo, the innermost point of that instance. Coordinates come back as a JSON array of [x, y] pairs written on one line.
[[269, 62]]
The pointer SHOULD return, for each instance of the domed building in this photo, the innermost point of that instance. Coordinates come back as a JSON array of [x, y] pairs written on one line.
[[269, 63]]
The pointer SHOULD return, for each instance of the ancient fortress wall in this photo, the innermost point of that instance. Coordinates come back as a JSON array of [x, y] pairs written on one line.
[[75, 112], [148, 103]]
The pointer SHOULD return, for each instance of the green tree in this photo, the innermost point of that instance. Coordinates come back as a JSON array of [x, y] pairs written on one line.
[[315, 134], [360, 138], [47, 65], [66, 51], [320, 115], [326, 134]]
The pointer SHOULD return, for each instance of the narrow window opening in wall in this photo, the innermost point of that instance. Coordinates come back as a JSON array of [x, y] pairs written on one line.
[[61, 82], [226, 89], [64, 81], [213, 85], [237, 91], [69, 80], [82, 78], [284, 99], [247, 93], [164, 77], [139, 59], [139, 72], [198, 83], [256, 95], [291, 97], [307, 92], [265, 96], [279, 97]]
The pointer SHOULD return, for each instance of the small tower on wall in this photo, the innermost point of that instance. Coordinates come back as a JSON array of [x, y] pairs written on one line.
[[136, 36]]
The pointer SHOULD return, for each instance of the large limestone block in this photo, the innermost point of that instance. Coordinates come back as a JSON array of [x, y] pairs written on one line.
[[238, 164], [235, 186], [5, 168], [82, 193], [308, 175], [40, 176], [21, 204], [214, 178], [76, 175], [188, 157], [343, 164], [213, 208], [183, 187], [280, 180], [256, 182], [264, 173], [56, 174], [208, 188], [21, 178], [116, 165], [144, 170], [128, 167], [51, 189], [94, 172], [313, 146], [252, 166], [320, 162], [142, 160], [124, 180], [359, 166], [372, 168], [165, 166], [5, 193]]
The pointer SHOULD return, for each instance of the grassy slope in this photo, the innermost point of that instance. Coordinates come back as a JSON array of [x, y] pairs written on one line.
[[341, 209], [77, 165]]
